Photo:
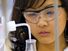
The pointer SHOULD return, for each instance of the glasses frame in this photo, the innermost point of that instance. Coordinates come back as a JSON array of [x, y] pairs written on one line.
[[38, 11]]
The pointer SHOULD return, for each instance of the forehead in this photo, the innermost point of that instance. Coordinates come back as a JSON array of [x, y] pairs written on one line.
[[45, 3]]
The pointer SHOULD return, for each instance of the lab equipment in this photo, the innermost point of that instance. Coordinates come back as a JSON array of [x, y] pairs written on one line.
[[2, 32], [30, 46], [56, 31], [30, 43]]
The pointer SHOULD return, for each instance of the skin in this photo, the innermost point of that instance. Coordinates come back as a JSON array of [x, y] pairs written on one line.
[[42, 25]]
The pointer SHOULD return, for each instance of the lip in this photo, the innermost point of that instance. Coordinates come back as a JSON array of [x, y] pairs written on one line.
[[44, 33]]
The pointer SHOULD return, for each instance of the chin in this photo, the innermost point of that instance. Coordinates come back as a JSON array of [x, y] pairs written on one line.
[[47, 41]]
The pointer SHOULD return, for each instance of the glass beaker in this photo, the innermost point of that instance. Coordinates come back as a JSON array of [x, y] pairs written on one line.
[[30, 46]]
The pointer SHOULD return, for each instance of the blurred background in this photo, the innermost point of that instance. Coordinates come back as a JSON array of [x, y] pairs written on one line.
[[9, 8]]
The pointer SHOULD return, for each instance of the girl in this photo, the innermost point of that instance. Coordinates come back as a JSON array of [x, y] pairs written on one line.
[[39, 14]]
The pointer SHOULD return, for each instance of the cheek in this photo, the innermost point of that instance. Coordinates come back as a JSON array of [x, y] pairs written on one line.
[[62, 24], [34, 29]]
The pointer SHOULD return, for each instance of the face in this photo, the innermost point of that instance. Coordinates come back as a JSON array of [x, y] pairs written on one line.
[[43, 26]]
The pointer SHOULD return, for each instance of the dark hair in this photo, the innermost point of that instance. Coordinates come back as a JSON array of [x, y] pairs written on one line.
[[21, 34]]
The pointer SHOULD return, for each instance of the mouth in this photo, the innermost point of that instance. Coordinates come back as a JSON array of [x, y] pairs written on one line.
[[44, 33]]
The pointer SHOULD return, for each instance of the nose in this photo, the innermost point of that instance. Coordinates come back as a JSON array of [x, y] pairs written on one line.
[[42, 23]]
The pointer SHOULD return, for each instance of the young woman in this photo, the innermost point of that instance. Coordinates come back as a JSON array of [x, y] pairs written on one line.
[[39, 14]]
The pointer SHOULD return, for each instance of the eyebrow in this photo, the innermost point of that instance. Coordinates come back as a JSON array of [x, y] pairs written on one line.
[[48, 6]]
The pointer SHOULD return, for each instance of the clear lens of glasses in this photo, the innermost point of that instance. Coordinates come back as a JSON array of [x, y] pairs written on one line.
[[30, 46]]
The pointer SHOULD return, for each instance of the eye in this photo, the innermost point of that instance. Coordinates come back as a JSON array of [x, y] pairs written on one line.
[[32, 14], [49, 13]]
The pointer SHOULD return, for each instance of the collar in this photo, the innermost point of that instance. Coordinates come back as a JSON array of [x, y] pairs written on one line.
[[66, 49]]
